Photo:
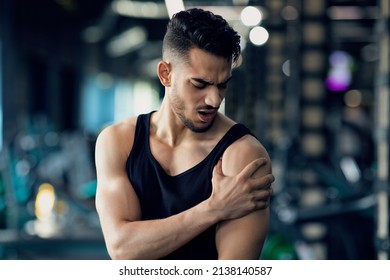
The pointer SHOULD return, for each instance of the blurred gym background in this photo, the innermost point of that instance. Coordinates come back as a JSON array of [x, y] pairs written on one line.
[[313, 85]]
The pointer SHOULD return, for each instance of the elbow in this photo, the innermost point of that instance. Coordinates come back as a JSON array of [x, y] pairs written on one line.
[[121, 244], [119, 252], [115, 252]]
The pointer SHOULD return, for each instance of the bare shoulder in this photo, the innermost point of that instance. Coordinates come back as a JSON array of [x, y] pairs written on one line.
[[117, 137], [119, 129], [242, 152]]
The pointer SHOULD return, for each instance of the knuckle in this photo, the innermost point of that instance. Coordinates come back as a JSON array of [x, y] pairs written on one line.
[[254, 206]]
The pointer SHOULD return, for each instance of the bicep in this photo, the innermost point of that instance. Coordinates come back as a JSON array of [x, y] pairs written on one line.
[[243, 238], [116, 200]]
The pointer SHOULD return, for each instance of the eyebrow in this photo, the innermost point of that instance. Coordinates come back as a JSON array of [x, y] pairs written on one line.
[[202, 81]]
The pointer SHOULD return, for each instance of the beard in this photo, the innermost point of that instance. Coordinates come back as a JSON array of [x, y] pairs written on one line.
[[178, 107], [191, 126]]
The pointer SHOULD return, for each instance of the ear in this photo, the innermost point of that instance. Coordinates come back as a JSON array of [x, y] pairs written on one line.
[[164, 73]]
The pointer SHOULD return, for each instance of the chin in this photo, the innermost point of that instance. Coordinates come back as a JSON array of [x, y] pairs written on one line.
[[198, 129]]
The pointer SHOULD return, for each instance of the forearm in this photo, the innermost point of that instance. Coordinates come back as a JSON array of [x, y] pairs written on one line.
[[154, 239]]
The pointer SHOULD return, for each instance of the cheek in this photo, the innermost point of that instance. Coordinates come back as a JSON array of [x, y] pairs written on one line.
[[185, 95], [191, 95]]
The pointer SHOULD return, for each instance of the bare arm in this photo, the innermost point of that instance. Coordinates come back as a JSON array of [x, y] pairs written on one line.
[[119, 211], [126, 236], [243, 238]]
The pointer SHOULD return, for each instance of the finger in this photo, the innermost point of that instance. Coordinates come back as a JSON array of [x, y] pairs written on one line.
[[263, 182], [260, 204], [263, 204], [262, 195], [252, 167]]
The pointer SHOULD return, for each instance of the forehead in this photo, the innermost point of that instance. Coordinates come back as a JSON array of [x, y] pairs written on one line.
[[204, 64]]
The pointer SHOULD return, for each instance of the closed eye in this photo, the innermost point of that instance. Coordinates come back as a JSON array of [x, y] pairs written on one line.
[[200, 86]]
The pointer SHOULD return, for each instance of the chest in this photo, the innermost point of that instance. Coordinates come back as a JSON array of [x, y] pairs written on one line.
[[176, 160]]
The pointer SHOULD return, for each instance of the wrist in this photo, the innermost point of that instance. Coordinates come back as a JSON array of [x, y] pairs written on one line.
[[213, 213]]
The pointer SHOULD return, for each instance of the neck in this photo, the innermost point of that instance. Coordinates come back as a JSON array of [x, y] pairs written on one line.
[[167, 126]]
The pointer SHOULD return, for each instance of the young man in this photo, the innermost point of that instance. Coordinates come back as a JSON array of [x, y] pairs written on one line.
[[185, 182]]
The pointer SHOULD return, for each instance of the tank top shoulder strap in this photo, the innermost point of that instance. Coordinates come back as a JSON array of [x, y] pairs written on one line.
[[233, 134], [141, 130]]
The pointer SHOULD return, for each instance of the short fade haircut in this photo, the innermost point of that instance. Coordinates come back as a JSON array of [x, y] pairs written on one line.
[[202, 29]]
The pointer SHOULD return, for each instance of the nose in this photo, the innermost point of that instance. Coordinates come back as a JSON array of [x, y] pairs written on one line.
[[214, 97]]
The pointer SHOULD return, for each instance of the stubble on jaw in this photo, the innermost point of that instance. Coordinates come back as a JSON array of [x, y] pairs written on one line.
[[178, 108]]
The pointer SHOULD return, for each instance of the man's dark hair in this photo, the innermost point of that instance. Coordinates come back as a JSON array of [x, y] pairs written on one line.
[[203, 29]]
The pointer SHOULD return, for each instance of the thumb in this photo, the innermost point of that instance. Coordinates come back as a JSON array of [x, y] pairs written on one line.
[[218, 168]]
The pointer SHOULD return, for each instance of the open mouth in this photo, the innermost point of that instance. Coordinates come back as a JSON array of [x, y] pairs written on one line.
[[207, 115]]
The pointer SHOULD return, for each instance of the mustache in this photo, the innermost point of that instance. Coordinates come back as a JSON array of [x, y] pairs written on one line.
[[207, 107]]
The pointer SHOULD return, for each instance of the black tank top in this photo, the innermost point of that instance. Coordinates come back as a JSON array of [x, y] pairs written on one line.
[[161, 195]]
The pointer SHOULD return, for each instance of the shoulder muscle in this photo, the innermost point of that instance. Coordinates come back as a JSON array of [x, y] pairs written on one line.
[[242, 152]]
